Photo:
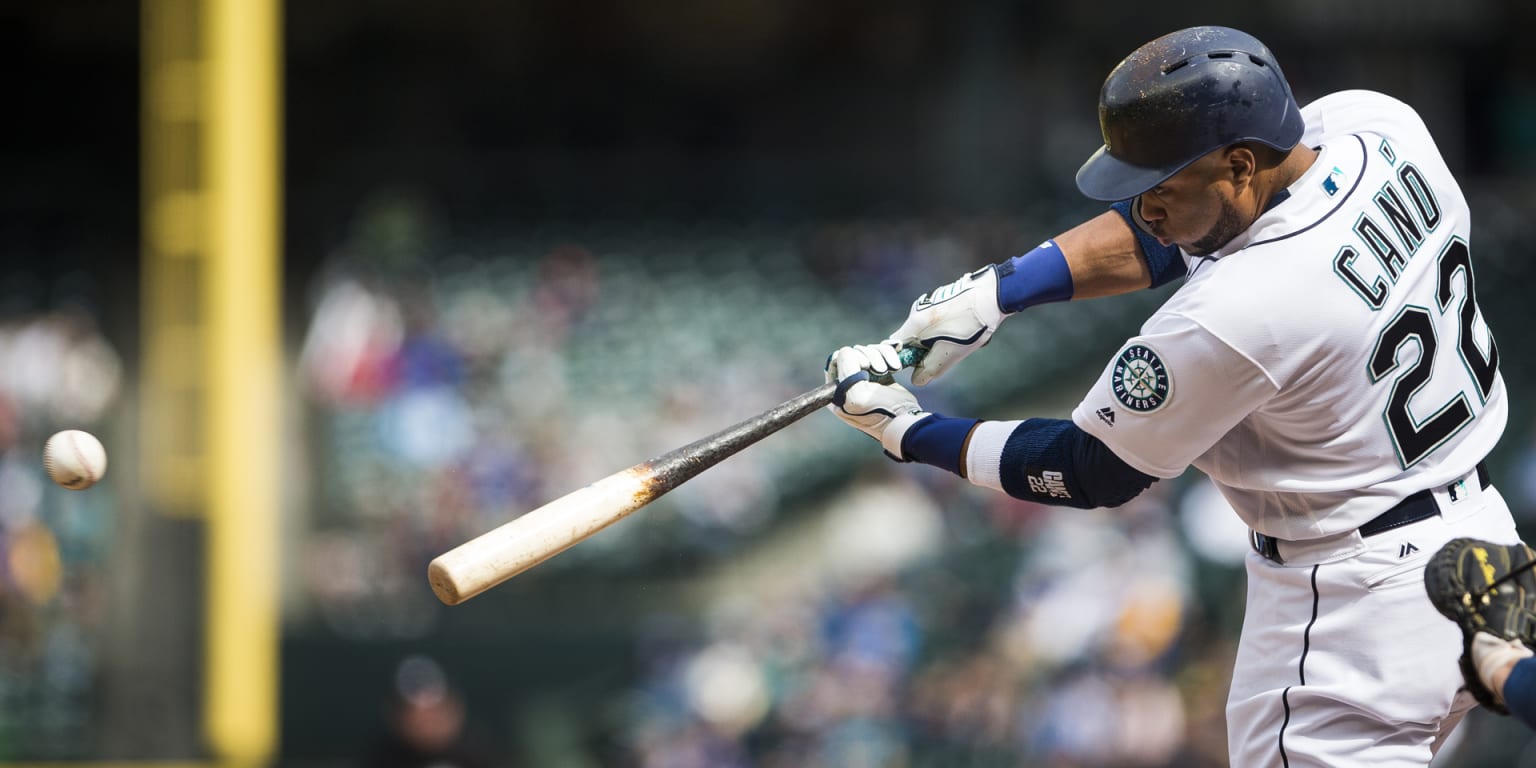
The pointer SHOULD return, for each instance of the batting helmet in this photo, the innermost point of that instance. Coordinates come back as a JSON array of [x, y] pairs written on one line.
[[1181, 96]]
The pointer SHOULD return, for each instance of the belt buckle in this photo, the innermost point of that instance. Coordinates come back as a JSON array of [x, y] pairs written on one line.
[[1268, 547]]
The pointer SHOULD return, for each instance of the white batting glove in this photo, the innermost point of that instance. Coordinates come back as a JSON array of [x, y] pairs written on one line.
[[884, 411], [951, 321], [880, 360]]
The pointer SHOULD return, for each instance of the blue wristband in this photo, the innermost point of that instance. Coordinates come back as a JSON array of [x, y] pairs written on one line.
[[937, 441], [1038, 277]]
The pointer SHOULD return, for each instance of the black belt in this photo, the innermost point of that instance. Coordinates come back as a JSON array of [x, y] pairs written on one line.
[[1416, 507]]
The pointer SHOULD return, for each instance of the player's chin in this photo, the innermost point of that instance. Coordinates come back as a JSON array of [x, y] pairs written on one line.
[[1212, 242], [1192, 248]]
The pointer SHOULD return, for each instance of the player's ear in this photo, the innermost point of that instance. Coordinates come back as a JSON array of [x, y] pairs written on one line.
[[1241, 164]]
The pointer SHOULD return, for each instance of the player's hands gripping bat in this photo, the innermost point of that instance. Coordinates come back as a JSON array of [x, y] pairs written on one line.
[[1489, 590], [951, 321], [868, 399], [500, 554]]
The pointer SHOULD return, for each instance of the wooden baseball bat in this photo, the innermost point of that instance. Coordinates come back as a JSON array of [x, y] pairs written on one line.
[[504, 552]]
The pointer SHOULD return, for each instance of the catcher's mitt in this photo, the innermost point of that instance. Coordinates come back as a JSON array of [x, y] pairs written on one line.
[[1484, 587]]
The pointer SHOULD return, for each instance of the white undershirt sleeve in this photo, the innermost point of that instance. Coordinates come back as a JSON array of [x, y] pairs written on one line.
[[984, 453]]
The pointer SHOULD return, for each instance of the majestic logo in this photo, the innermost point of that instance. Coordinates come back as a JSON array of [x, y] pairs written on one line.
[[1106, 415], [1406, 549], [1140, 380], [1047, 483]]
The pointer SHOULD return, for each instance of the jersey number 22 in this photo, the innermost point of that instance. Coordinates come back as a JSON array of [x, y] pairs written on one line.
[[1413, 439]]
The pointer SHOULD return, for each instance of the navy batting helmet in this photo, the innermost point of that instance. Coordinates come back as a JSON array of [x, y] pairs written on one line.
[[1181, 96]]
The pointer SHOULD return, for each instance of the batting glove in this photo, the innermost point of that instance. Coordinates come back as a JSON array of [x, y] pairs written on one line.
[[951, 321], [882, 410], [1493, 655], [879, 360]]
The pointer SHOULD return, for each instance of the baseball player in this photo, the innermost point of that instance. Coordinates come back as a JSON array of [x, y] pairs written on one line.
[[1324, 362]]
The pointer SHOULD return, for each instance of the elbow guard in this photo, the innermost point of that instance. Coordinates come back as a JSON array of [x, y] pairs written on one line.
[[1052, 461]]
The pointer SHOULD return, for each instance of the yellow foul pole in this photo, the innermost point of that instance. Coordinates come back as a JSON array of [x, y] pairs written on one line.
[[241, 88]]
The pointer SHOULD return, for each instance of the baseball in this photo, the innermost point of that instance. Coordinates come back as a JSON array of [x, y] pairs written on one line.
[[74, 459]]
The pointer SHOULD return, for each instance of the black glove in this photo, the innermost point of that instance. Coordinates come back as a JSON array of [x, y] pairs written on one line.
[[1489, 588]]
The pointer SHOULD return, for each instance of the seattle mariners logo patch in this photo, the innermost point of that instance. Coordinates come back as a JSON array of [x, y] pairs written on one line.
[[1140, 379]]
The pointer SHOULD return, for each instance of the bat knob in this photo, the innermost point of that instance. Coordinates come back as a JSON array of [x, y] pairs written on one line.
[[911, 356]]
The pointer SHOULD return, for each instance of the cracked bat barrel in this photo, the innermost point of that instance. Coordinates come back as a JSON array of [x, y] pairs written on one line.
[[501, 553]]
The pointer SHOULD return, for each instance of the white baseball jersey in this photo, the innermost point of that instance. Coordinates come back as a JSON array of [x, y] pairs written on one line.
[[1331, 360]]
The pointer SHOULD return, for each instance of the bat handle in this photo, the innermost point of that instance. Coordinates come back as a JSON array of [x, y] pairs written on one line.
[[911, 355]]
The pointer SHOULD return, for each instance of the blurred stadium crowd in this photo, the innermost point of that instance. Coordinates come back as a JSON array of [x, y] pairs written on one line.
[[997, 647]]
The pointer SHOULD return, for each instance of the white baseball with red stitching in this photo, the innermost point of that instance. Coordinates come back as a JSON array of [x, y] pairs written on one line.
[[74, 459]]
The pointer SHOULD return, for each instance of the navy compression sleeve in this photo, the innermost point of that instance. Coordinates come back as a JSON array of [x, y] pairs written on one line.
[[1520, 691], [1050, 461], [1164, 261]]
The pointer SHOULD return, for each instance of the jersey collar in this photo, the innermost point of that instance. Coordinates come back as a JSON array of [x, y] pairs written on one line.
[[1310, 199]]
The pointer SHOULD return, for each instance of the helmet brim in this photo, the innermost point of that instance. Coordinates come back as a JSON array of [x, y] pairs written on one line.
[[1110, 179]]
